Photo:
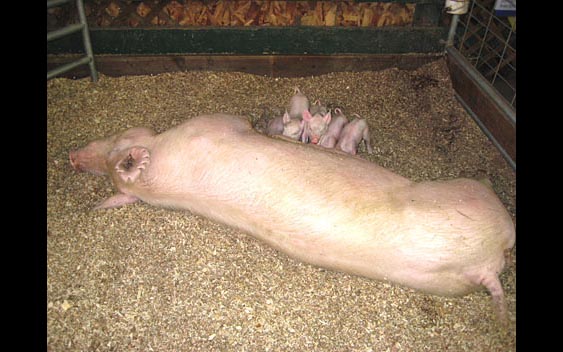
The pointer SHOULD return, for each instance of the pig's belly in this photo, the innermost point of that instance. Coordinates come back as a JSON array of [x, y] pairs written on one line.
[[354, 245]]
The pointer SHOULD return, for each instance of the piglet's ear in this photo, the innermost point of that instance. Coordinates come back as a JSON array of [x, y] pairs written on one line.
[[286, 118], [327, 117], [135, 160], [306, 115]]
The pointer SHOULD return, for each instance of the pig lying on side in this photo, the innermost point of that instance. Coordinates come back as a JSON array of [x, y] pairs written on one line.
[[441, 237]]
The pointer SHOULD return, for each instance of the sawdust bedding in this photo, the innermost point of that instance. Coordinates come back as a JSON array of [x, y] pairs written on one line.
[[139, 278]]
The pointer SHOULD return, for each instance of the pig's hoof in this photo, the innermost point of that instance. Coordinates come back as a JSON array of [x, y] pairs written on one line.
[[130, 167]]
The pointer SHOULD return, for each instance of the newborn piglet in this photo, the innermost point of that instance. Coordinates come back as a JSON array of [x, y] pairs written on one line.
[[352, 134], [318, 109], [297, 104], [275, 126], [329, 139], [292, 128], [293, 118], [315, 126]]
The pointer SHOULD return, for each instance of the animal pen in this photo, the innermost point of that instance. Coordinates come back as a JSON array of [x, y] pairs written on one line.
[[435, 81]]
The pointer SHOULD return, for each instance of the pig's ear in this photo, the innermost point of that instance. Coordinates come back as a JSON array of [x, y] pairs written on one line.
[[306, 115], [327, 117], [286, 118], [136, 159]]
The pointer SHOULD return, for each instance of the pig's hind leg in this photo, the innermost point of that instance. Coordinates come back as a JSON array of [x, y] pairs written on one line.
[[493, 285]]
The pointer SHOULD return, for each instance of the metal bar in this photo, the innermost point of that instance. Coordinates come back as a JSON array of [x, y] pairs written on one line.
[[505, 81], [67, 67], [53, 3], [463, 38], [453, 28], [87, 42], [56, 34], [502, 61], [484, 39]]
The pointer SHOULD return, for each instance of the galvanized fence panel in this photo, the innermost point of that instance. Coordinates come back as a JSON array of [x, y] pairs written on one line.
[[487, 39]]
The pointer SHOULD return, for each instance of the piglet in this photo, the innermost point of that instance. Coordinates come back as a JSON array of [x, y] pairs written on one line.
[[293, 119], [329, 139], [292, 128], [352, 134], [318, 108], [297, 104], [315, 126], [275, 126]]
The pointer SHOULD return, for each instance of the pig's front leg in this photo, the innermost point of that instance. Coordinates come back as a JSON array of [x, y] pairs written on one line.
[[116, 201]]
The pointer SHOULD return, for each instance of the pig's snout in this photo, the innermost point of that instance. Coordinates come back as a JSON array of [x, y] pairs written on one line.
[[84, 161], [73, 156]]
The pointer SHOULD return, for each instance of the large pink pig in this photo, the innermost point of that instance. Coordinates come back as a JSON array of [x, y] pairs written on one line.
[[441, 237]]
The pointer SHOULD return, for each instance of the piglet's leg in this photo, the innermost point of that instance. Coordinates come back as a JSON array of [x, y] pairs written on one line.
[[116, 201], [365, 137]]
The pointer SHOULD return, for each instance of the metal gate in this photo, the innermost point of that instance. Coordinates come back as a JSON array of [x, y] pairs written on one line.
[[72, 28], [482, 40], [487, 38]]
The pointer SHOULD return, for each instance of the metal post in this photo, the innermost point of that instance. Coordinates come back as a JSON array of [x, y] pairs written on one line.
[[456, 8], [83, 26], [453, 27], [87, 42]]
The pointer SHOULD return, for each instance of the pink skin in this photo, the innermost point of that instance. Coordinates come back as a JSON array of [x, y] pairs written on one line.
[[275, 126], [352, 134], [292, 120], [93, 158], [297, 104], [315, 126], [292, 128], [441, 237], [329, 139]]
